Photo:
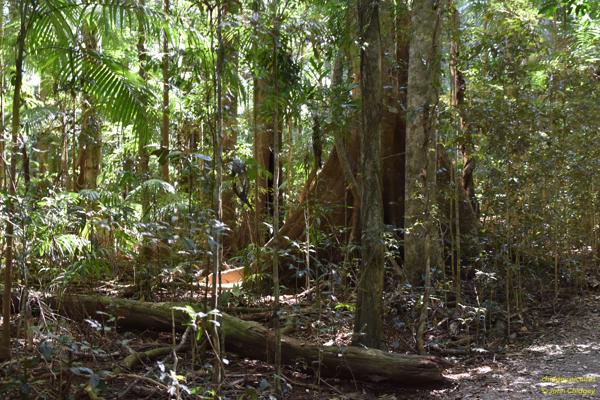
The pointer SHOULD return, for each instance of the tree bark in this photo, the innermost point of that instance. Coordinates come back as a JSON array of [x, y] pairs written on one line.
[[396, 20], [143, 156], [468, 207], [164, 126], [216, 231], [250, 339], [264, 134], [2, 98], [465, 145], [230, 101], [421, 138], [263, 149], [12, 184], [276, 176], [368, 324], [63, 174], [90, 139]]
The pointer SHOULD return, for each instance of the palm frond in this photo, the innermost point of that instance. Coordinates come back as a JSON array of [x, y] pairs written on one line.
[[53, 29], [153, 186], [120, 14], [122, 95]]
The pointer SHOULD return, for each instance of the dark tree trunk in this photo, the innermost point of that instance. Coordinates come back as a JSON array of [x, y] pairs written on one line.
[[368, 324], [394, 19]]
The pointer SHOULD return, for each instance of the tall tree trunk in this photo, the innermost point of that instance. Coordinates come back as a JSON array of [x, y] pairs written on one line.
[[264, 131], [217, 231], [2, 99], [90, 138], [164, 126], [143, 156], [466, 205], [276, 175], [230, 105], [263, 154], [63, 174], [73, 176], [396, 20], [458, 93], [421, 138], [368, 325], [12, 184]]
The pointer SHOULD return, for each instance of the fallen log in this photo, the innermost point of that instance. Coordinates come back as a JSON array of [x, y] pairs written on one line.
[[252, 340]]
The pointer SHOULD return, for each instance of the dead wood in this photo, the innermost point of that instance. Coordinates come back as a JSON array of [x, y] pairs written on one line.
[[252, 340]]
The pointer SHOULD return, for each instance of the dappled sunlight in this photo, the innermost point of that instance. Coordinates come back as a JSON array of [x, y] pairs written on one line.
[[300, 200], [548, 349], [473, 373]]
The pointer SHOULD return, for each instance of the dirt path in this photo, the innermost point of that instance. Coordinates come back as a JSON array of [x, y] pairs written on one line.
[[561, 361]]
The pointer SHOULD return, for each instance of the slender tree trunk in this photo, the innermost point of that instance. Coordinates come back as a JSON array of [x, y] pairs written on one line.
[[26, 166], [396, 20], [457, 93], [90, 138], [340, 145], [218, 199], [12, 184], [466, 205], [421, 138], [164, 126], [143, 156], [74, 159], [276, 175], [64, 159], [368, 325], [2, 99], [230, 105]]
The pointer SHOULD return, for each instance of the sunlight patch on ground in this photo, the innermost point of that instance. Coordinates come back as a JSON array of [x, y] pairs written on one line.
[[587, 348], [470, 374], [550, 349]]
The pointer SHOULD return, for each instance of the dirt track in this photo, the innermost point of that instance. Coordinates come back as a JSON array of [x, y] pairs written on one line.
[[560, 362]]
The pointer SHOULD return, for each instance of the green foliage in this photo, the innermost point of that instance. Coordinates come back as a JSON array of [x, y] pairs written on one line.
[[52, 33], [530, 92]]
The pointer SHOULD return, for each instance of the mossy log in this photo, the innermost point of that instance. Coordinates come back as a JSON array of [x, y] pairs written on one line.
[[252, 340]]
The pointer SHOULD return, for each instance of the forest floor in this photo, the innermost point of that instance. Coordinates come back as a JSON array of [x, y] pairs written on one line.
[[555, 354], [559, 361]]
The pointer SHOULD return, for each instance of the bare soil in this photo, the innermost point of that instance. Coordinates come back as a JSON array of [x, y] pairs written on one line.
[[559, 361]]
